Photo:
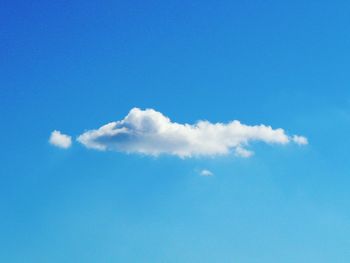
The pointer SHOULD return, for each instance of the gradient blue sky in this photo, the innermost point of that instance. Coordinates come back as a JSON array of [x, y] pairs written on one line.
[[76, 65]]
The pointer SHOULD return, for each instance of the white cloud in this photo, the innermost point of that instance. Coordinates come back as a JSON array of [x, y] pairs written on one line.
[[241, 152], [60, 140], [150, 132], [206, 172], [301, 140]]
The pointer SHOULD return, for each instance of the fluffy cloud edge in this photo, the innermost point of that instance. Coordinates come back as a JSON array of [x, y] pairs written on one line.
[[60, 140]]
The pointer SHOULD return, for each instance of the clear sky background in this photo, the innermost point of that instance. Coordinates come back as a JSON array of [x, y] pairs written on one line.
[[76, 65]]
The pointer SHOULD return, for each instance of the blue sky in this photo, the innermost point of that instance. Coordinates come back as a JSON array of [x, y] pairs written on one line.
[[76, 66]]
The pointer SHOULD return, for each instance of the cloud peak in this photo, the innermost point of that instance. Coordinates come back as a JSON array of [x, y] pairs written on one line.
[[150, 132]]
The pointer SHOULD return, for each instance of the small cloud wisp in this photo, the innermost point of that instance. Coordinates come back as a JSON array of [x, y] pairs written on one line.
[[206, 172], [60, 140]]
